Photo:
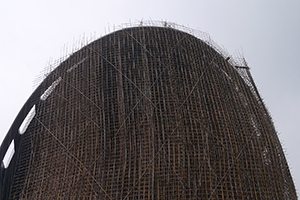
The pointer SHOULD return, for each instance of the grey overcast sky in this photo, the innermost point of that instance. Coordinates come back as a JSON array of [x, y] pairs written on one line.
[[34, 32]]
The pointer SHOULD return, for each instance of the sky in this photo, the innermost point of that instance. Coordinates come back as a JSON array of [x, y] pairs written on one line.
[[34, 34]]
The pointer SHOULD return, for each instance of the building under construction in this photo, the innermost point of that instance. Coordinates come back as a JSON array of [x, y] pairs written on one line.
[[147, 112]]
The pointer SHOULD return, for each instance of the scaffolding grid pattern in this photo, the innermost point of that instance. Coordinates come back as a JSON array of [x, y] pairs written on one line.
[[150, 113]]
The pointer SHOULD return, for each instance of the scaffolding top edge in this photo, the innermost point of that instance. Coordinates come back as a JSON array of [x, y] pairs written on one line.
[[236, 60]]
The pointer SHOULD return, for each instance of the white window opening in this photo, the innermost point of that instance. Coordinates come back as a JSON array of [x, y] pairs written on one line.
[[9, 154], [27, 120], [46, 94], [76, 65]]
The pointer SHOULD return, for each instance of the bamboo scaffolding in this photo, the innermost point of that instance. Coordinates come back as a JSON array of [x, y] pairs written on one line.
[[150, 112]]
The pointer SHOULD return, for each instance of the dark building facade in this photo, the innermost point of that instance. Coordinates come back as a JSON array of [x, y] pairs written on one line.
[[145, 113]]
